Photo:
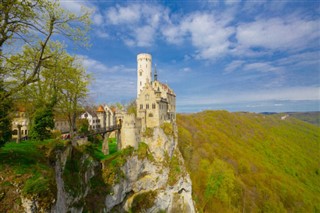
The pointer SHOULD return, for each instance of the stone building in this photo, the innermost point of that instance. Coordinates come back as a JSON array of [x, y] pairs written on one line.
[[102, 118], [156, 103], [20, 120]]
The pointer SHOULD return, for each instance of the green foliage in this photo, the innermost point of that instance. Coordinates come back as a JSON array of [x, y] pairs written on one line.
[[23, 22], [5, 120], [28, 163], [143, 201], [251, 162], [132, 108], [37, 185], [148, 133], [167, 128], [83, 126], [310, 117], [95, 149], [42, 123], [143, 152], [175, 170], [112, 172]]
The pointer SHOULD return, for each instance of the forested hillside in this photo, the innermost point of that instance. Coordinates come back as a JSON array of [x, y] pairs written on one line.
[[246, 162], [309, 117]]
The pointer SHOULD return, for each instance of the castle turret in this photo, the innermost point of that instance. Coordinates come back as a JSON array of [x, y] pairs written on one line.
[[101, 116], [144, 62], [155, 78]]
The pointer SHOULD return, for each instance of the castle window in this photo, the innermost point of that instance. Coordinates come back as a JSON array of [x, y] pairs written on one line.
[[153, 106], [140, 83], [147, 97], [147, 106], [141, 106], [150, 115], [26, 131], [15, 132], [140, 73]]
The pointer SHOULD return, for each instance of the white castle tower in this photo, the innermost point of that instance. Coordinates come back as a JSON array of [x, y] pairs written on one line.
[[144, 62]]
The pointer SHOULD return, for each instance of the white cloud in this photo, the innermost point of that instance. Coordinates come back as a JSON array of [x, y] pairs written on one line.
[[138, 23], [97, 19], [144, 36], [209, 34], [101, 33], [232, 2], [77, 7], [123, 15], [262, 67], [233, 66], [285, 33], [98, 68]]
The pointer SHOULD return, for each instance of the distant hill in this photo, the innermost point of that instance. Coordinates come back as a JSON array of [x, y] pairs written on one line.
[[310, 117], [247, 162]]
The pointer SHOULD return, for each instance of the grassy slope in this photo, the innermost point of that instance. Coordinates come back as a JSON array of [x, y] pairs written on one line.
[[30, 166], [251, 162], [26, 165]]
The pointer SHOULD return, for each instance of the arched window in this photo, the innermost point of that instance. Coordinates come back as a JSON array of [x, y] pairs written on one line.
[[150, 115], [147, 97], [153, 106], [147, 106], [15, 132]]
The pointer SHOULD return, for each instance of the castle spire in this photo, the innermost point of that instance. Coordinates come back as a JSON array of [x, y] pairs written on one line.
[[155, 73]]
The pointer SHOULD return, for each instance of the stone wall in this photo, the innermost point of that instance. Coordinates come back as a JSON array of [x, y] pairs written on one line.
[[129, 131]]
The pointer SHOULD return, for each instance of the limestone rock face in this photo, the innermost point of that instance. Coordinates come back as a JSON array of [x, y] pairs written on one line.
[[151, 179], [153, 184]]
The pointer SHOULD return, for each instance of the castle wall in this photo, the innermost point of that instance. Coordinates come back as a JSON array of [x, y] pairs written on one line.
[[129, 131], [148, 107]]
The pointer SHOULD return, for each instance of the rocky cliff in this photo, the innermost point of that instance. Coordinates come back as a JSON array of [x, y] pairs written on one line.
[[151, 178]]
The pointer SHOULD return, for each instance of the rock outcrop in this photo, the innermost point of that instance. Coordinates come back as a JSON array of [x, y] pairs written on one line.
[[154, 179]]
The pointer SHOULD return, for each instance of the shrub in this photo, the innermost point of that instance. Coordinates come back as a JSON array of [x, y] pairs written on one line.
[[175, 170], [143, 152], [167, 128], [143, 201], [148, 133], [42, 123]]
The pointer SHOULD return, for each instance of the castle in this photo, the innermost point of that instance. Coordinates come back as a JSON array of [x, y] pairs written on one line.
[[155, 104]]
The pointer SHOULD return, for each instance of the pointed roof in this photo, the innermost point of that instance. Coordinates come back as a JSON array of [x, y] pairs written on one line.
[[100, 109]]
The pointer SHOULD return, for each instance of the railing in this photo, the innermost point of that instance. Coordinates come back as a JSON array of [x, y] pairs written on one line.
[[107, 129]]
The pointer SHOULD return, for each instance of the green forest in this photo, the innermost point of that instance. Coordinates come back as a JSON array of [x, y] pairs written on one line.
[[247, 162]]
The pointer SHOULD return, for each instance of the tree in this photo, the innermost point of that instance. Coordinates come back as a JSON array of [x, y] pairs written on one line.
[[72, 90], [83, 126], [34, 23], [5, 121], [42, 123]]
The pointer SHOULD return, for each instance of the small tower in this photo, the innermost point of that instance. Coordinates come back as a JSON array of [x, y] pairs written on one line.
[[101, 116], [155, 77], [144, 66]]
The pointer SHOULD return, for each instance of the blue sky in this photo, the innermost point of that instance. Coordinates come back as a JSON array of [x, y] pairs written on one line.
[[235, 55]]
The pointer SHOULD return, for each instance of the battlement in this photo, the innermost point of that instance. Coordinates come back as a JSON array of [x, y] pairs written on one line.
[[144, 56]]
